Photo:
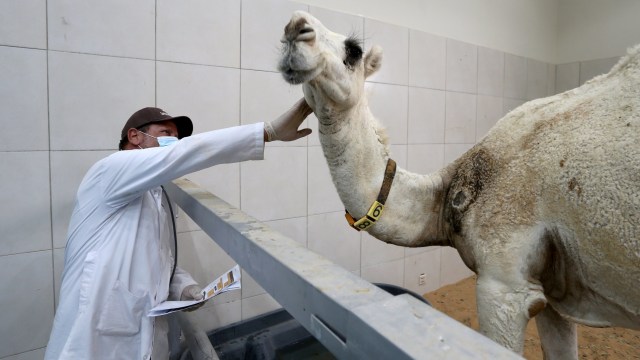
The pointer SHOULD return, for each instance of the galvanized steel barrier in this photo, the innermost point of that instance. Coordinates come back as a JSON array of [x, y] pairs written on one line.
[[351, 317]]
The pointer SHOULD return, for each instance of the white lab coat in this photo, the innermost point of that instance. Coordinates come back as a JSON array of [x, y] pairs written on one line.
[[118, 258]]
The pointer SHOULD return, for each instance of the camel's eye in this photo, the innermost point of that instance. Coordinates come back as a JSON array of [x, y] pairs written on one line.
[[353, 51]]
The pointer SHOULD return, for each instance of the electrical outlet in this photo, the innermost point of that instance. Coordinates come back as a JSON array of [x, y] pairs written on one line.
[[422, 279]]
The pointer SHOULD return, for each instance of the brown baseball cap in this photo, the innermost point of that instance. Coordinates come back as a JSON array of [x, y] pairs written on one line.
[[151, 115]]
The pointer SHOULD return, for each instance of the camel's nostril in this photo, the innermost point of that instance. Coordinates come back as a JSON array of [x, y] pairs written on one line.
[[306, 34]]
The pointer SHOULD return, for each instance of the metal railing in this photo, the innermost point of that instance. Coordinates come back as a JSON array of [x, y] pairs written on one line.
[[351, 317]]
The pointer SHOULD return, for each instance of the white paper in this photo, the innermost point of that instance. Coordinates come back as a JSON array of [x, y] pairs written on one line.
[[228, 281]]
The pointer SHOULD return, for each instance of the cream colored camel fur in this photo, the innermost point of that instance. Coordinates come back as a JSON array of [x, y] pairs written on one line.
[[545, 209]]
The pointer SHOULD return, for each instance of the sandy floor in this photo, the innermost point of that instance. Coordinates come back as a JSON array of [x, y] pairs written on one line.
[[459, 301]]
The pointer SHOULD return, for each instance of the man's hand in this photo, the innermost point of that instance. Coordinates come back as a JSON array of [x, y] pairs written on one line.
[[285, 127], [192, 292]]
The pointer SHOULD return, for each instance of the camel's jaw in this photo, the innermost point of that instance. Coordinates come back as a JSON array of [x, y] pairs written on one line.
[[296, 77]]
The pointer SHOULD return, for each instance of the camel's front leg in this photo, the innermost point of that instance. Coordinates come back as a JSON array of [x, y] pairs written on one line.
[[557, 335], [505, 307]]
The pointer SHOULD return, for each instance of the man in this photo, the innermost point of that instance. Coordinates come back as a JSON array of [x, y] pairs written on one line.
[[118, 259]]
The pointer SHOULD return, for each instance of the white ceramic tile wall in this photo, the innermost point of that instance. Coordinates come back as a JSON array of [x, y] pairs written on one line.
[[67, 103], [330, 236], [275, 188], [27, 302], [427, 60], [489, 110], [322, 194], [209, 95], [515, 77], [490, 72], [394, 41], [25, 215], [103, 27], [462, 67], [15, 14], [375, 251], [24, 104], [29, 355], [264, 96], [389, 104], [341, 23], [593, 68], [90, 98], [258, 305], [58, 266], [261, 31], [426, 116], [391, 272], [212, 28], [567, 76], [537, 76], [427, 263], [460, 119]]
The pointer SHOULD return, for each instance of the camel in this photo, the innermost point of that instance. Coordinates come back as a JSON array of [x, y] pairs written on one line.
[[545, 209]]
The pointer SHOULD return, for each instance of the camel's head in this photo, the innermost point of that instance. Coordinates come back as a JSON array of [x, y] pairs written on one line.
[[331, 66]]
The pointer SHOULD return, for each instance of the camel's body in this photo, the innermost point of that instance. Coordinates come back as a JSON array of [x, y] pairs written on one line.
[[545, 209]]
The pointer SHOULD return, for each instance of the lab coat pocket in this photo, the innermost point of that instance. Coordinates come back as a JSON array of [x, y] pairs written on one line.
[[122, 312]]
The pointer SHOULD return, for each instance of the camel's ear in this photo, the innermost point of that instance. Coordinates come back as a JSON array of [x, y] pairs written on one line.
[[372, 61]]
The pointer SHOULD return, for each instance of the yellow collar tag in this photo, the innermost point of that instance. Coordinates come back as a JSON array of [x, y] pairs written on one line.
[[374, 213]]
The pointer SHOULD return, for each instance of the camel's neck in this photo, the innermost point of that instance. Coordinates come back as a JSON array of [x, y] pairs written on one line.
[[356, 152]]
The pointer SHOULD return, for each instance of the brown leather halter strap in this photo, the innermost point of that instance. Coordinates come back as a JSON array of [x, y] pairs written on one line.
[[375, 211]]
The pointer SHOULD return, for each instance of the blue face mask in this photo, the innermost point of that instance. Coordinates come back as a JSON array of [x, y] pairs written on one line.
[[166, 140], [163, 140]]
